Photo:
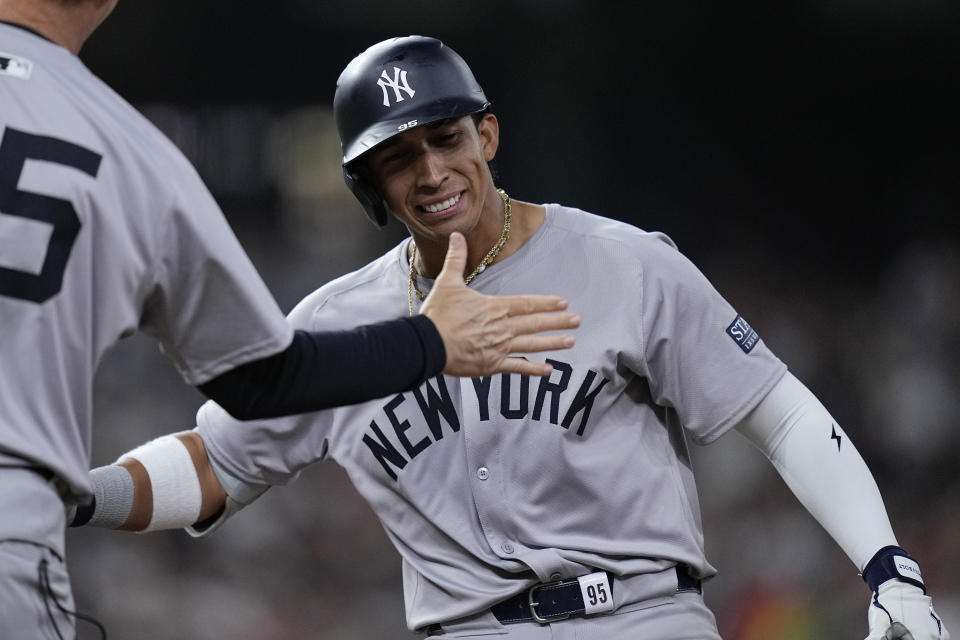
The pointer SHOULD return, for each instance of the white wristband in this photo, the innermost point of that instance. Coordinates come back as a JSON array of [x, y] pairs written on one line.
[[173, 477]]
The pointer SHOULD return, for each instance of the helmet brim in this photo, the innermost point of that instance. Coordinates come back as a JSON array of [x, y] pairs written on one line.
[[442, 109]]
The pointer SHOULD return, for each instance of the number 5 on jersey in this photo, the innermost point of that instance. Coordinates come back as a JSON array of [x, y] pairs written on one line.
[[38, 285]]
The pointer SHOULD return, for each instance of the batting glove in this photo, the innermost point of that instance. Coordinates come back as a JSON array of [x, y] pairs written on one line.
[[900, 608]]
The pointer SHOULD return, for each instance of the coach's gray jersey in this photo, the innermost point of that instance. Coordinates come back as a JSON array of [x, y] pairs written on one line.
[[478, 480], [105, 228]]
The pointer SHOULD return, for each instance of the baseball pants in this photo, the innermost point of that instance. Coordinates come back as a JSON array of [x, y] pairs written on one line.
[[35, 593]]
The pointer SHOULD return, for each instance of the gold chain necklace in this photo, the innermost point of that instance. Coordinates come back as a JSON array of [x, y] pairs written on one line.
[[487, 259]]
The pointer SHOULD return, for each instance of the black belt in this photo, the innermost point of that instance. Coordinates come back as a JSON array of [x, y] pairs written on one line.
[[554, 601]]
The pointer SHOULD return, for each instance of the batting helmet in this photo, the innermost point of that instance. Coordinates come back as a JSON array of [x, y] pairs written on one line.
[[393, 86]]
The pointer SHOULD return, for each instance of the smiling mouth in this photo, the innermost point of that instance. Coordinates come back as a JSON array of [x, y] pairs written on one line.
[[440, 207]]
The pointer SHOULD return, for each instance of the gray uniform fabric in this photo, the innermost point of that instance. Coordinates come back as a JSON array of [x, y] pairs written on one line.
[[105, 229], [680, 616], [31, 527], [486, 486]]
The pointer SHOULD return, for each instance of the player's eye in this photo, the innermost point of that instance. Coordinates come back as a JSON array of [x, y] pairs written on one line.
[[393, 158], [447, 139]]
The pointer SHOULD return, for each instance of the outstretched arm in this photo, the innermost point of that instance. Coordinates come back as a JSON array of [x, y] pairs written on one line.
[[461, 332], [166, 483], [827, 474]]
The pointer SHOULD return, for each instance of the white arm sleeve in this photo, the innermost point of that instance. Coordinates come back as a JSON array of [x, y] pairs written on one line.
[[821, 466]]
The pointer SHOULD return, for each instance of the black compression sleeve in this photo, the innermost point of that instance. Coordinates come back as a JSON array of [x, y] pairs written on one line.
[[326, 369]]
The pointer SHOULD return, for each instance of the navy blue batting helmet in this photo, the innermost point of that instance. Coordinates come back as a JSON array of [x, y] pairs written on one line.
[[393, 86]]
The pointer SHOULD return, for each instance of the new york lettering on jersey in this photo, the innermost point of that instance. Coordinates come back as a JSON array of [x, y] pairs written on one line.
[[433, 407]]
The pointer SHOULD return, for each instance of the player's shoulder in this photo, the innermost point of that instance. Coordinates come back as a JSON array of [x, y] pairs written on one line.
[[577, 225], [134, 135], [65, 99], [358, 294], [617, 247]]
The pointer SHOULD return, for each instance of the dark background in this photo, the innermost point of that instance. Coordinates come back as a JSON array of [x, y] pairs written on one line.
[[802, 153]]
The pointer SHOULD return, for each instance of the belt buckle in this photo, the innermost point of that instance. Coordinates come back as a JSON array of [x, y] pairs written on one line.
[[533, 605]]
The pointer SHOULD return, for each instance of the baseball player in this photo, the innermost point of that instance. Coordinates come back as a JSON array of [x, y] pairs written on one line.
[[561, 507], [105, 229]]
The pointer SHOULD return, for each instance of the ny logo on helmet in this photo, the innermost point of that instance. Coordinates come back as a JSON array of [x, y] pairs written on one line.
[[398, 84]]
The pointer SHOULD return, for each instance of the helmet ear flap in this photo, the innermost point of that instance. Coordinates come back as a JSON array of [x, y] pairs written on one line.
[[368, 196]]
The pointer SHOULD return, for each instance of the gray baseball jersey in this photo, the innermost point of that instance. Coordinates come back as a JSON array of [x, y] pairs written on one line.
[[105, 229], [487, 485]]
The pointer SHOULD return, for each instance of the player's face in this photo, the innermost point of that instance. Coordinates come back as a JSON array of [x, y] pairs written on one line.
[[435, 179]]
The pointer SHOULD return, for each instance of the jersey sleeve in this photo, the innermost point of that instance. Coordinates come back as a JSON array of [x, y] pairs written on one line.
[[239, 495], [271, 451], [699, 355], [263, 452], [208, 307]]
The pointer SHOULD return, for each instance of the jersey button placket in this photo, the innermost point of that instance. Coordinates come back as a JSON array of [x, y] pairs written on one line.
[[483, 457]]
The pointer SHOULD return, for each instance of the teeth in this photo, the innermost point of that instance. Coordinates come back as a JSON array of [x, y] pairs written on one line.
[[446, 204]]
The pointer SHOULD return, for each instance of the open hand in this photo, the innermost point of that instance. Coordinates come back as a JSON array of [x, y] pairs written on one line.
[[481, 332]]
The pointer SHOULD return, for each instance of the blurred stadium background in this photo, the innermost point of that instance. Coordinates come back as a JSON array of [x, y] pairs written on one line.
[[802, 153]]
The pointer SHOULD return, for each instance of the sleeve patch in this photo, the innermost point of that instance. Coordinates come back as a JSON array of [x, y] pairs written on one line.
[[745, 337]]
